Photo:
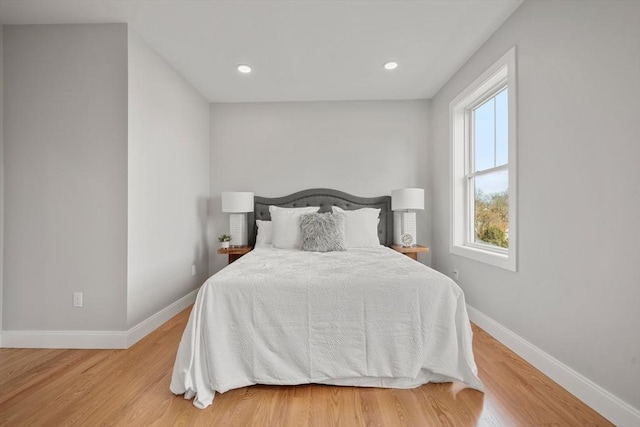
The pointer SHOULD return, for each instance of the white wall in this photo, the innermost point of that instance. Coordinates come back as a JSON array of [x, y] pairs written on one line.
[[273, 149], [168, 184], [1, 186], [65, 164], [577, 290]]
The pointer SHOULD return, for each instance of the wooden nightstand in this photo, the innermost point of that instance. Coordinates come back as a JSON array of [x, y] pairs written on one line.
[[235, 252], [411, 252]]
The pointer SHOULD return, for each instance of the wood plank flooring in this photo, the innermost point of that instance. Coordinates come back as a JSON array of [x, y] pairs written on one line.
[[131, 388]]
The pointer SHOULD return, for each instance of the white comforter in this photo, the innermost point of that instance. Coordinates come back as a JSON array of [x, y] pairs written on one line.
[[367, 317]]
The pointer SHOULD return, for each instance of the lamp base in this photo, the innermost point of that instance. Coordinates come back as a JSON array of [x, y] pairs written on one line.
[[238, 229], [404, 223]]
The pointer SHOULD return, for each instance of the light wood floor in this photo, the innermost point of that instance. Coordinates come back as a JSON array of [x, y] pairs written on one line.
[[131, 388]]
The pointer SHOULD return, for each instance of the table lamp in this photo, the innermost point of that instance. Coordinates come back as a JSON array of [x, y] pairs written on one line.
[[404, 202], [237, 204]]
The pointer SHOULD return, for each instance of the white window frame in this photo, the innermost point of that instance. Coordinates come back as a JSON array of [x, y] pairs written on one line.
[[502, 73]]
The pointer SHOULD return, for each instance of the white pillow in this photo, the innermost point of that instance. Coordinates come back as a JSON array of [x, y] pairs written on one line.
[[286, 226], [265, 233], [361, 227]]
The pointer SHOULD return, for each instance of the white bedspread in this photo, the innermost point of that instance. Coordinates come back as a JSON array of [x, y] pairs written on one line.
[[367, 317]]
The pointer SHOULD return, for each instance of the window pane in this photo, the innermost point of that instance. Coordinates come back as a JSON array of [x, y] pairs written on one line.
[[502, 128], [484, 138], [491, 209]]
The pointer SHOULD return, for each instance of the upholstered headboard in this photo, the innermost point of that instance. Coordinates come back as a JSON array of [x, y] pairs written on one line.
[[325, 198]]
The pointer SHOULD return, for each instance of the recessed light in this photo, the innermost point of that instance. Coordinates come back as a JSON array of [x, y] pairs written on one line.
[[244, 68], [390, 65]]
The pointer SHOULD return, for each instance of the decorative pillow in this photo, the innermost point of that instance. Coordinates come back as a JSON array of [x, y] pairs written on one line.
[[265, 233], [361, 227], [322, 232], [286, 226]]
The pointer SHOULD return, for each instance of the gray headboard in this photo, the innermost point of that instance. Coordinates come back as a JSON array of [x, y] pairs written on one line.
[[325, 198]]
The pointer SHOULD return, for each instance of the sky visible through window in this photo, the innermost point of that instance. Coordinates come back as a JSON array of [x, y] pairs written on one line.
[[491, 141]]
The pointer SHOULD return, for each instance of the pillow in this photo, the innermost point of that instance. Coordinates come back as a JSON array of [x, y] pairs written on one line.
[[265, 233], [286, 226], [361, 227], [322, 232]]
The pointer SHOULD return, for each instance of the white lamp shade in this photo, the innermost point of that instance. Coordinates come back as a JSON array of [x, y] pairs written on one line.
[[237, 201], [407, 199]]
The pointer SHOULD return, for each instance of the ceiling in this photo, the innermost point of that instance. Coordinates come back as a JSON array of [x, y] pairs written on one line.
[[300, 50]]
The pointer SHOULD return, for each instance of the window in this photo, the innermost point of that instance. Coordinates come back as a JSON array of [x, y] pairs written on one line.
[[483, 180]]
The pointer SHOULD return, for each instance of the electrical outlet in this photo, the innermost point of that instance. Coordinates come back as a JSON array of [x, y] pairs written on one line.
[[77, 299], [193, 270], [455, 274]]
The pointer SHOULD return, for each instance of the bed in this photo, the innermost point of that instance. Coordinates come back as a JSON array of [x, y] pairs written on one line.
[[365, 316]]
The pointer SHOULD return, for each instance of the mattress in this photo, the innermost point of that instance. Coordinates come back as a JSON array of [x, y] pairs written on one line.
[[366, 317]]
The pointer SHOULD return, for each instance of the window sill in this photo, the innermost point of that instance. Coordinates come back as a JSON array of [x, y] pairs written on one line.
[[492, 258]]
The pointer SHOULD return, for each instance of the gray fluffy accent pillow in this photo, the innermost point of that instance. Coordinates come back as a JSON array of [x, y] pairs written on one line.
[[322, 232]]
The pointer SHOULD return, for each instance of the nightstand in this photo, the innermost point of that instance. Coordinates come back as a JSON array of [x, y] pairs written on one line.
[[235, 252], [411, 252]]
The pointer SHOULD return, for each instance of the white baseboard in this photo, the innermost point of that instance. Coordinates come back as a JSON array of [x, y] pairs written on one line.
[[151, 323], [64, 339], [606, 404], [95, 339]]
